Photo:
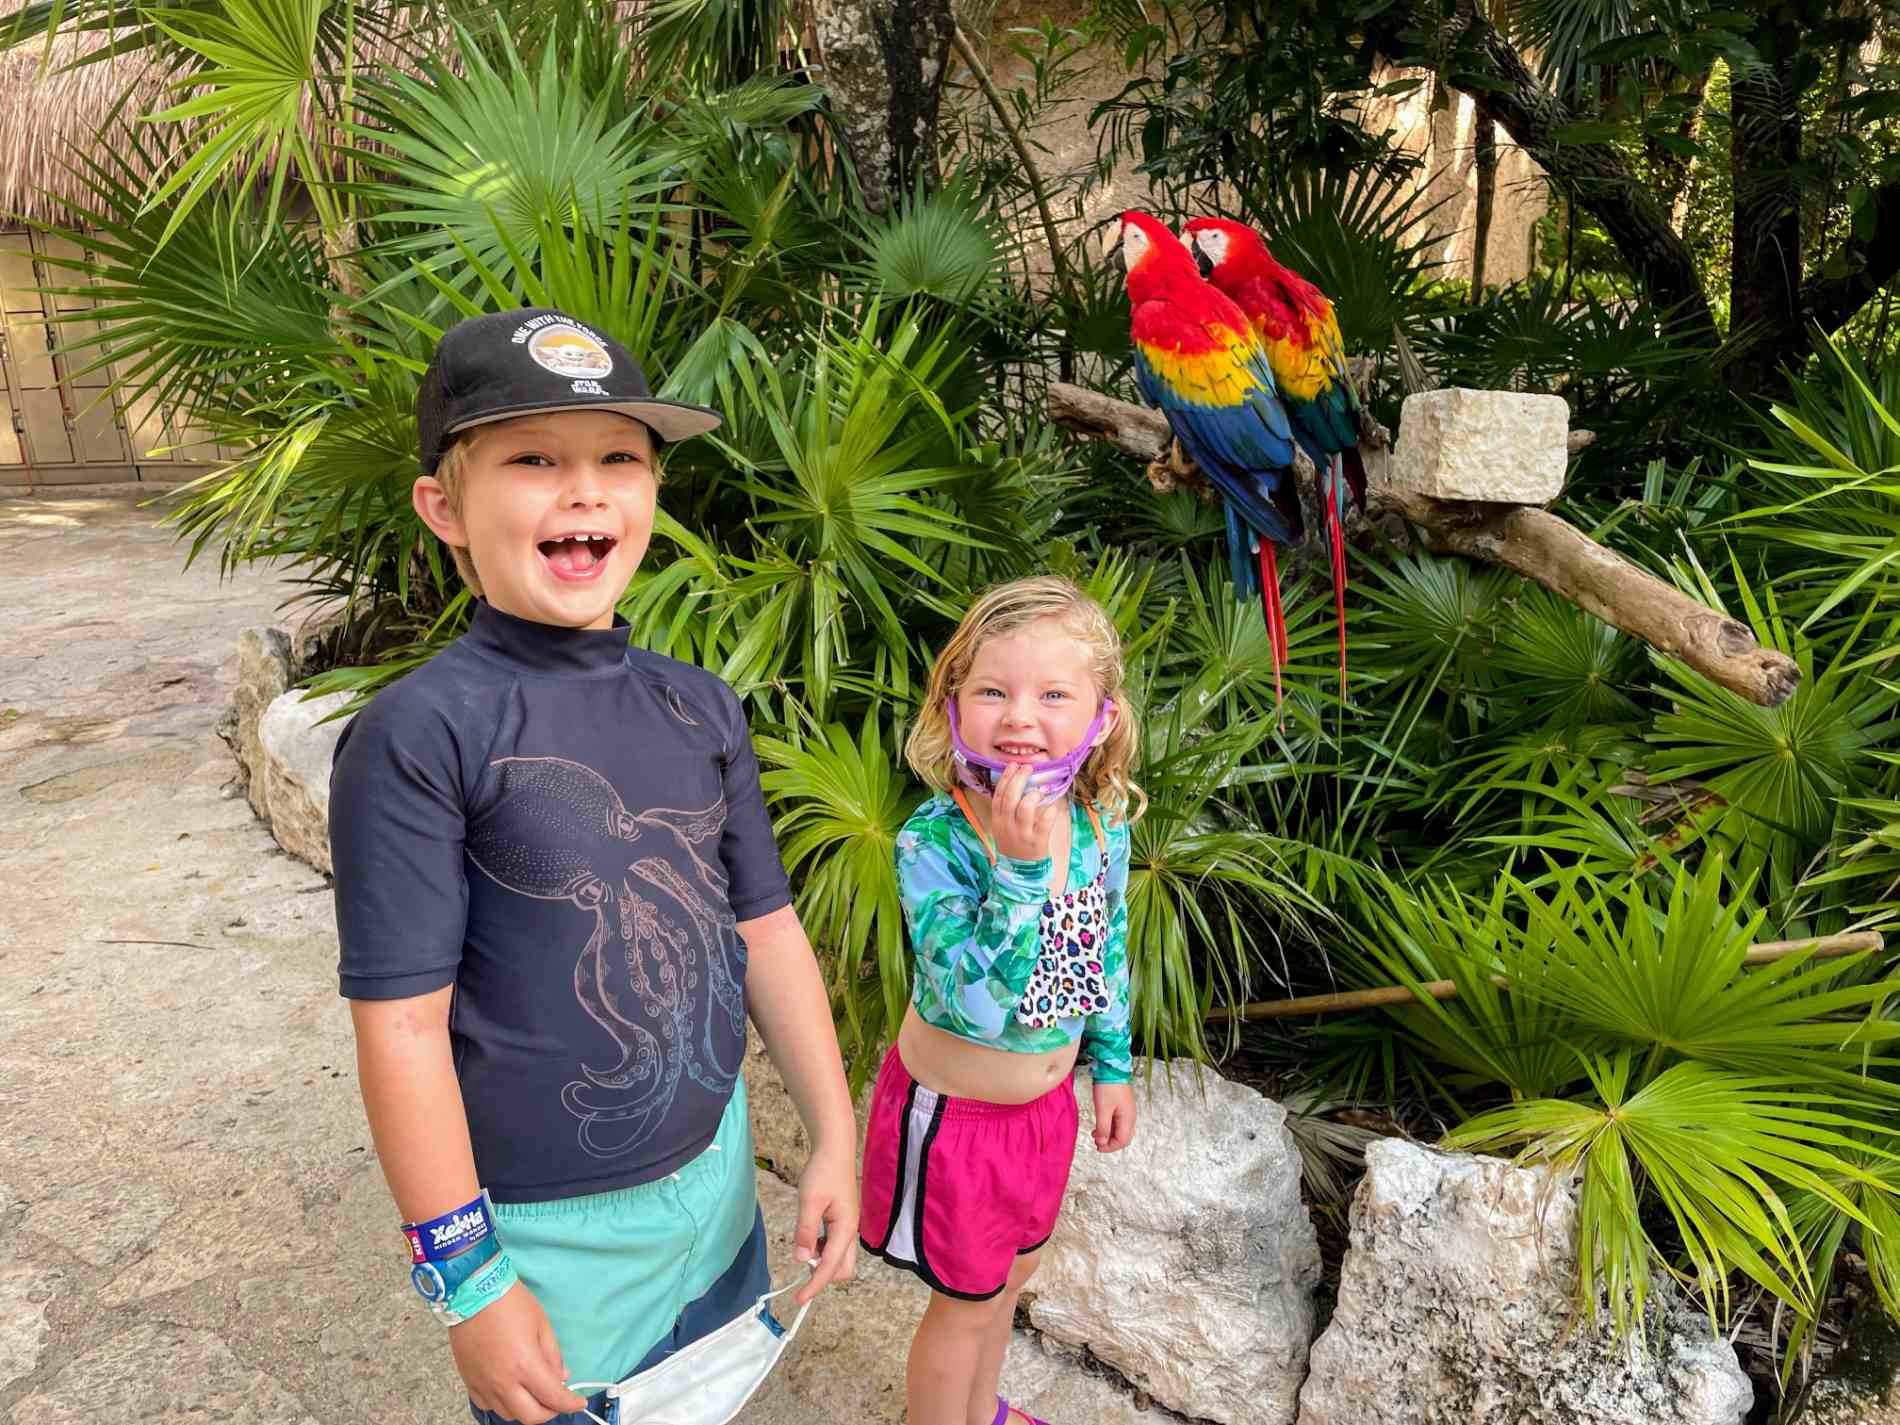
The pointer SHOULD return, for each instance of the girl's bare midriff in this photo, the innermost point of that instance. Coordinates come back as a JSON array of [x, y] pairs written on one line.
[[963, 1068]]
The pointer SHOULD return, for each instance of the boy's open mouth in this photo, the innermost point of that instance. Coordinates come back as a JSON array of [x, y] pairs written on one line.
[[577, 556]]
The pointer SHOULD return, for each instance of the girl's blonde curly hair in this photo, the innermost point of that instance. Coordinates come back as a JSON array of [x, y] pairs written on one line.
[[1104, 780]]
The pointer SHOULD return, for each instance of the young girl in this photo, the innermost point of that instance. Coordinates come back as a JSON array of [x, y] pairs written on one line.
[[1012, 878]]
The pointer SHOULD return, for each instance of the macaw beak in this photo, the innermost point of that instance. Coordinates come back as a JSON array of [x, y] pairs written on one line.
[[1201, 261], [1112, 254]]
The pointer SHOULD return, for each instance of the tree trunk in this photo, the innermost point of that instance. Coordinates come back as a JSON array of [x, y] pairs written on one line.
[[1765, 315], [1508, 93], [1445, 182], [1505, 90], [1678, 173], [884, 66], [1484, 142]]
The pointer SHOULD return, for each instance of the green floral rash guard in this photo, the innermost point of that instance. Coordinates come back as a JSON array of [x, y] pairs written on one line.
[[977, 934]]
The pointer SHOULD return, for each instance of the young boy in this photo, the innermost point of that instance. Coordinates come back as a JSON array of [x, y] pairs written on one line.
[[557, 895]]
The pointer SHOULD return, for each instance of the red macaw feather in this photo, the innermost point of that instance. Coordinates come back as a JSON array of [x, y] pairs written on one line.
[[1299, 334]]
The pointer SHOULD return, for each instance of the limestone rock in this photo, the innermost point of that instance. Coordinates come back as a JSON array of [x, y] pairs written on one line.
[[102, 1220], [1455, 1306], [1186, 1261], [1862, 1384], [1499, 446], [163, 1374], [779, 1139], [263, 675], [297, 747], [25, 1291]]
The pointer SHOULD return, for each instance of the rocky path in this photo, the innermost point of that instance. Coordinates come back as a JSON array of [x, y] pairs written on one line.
[[197, 1228]]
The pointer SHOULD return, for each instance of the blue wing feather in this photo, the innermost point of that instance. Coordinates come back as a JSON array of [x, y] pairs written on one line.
[[1244, 450]]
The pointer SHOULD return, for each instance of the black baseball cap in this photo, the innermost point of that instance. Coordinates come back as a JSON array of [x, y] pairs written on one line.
[[517, 363]]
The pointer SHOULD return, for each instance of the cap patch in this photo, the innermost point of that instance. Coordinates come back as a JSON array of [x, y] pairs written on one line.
[[565, 348]]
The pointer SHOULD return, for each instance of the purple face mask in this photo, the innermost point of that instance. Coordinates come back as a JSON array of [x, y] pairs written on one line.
[[1051, 778]]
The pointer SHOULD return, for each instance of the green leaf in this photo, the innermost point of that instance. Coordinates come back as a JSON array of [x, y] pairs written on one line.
[[475, 157], [838, 804], [255, 65], [1580, 134], [1650, 44]]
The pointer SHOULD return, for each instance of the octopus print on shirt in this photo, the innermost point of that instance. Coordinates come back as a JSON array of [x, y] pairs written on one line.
[[657, 941], [568, 831]]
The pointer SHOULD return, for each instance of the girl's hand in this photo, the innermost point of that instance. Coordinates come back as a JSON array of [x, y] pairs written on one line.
[[827, 1204], [1020, 820], [1114, 1117], [510, 1362]]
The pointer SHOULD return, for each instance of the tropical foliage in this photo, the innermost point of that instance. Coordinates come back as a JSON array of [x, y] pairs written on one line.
[[1509, 790]]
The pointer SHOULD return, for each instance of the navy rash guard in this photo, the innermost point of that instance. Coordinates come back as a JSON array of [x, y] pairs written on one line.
[[566, 829]]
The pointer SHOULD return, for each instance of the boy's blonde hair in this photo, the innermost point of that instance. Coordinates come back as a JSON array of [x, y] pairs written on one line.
[[452, 470], [1104, 779]]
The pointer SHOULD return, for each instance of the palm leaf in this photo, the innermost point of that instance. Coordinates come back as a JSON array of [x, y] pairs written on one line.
[[938, 245], [208, 325], [1363, 240], [474, 156], [1781, 771], [255, 65], [840, 802], [1710, 1145], [716, 43]]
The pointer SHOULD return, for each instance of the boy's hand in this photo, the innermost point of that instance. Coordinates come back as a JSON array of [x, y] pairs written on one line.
[[1020, 820], [827, 1199], [510, 1361], [1114, 1117]]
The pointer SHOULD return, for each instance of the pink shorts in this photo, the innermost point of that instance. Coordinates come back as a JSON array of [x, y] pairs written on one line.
[[956, 1189]]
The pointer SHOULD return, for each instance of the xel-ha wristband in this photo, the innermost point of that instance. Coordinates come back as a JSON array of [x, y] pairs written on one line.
[[456, 1262]]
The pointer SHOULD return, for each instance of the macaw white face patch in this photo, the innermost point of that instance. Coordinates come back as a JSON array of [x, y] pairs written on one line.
[[568, 351]]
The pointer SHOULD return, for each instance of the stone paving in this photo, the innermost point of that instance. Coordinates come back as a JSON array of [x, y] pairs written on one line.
[[197, 1227]]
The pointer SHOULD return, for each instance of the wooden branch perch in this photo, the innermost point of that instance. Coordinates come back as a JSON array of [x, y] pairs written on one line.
[[1523, 538], [1826, 947]]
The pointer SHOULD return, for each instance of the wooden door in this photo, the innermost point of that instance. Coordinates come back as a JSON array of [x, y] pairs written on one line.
[[63, 425]]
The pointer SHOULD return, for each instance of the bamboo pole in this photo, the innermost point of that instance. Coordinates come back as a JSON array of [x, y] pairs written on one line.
[[1826, 947]]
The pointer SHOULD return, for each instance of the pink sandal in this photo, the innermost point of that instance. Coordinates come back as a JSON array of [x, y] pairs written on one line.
[[1002, 1414]]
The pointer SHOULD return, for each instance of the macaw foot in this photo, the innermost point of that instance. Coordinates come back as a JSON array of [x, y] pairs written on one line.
[[1168, 472]]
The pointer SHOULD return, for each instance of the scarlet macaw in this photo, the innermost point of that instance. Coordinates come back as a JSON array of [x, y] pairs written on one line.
[[1295, 324], [1199, 361]]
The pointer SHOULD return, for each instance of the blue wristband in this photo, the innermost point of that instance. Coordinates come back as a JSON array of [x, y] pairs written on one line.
[[481, 1290], [451, 1234], [436, 1282]]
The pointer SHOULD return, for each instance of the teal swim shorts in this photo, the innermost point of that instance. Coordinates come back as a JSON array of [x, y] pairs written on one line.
[[614, 1270]]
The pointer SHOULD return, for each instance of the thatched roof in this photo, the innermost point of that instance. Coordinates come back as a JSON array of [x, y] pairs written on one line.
[[48, 113]]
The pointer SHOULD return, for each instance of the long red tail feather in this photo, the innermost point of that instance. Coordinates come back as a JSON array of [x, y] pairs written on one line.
[[1275, 617], [1337, 535]]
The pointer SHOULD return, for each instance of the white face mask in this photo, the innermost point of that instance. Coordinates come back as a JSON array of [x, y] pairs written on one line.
[[708, 1382]]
